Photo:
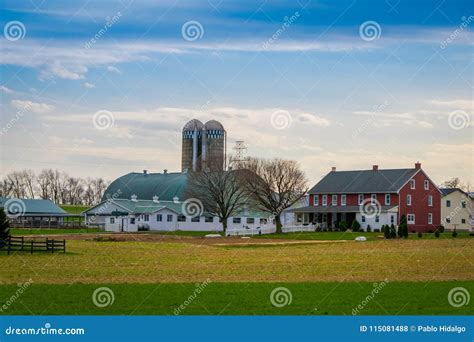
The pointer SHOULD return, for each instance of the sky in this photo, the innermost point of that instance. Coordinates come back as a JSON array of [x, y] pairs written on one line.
[[103, 88]]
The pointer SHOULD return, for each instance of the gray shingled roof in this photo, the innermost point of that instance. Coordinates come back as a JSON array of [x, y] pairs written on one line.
[[363, 181], [447, 191]]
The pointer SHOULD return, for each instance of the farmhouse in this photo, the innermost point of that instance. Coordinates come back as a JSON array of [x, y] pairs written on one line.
[[457, 209], [157, 201], [374, 197]]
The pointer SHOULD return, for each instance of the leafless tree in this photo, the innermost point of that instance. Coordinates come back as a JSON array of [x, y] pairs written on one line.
[[457, 183], [274, 185], [221, 192]]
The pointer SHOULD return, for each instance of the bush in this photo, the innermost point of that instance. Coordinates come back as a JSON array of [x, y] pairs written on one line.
[[403, 227], [437, 233], [441, 228], [386, 231], [343, 226], [420, 234], [393, 232], [369, 229], [376, 230], [355, 226], [455, 233], [4, 228]]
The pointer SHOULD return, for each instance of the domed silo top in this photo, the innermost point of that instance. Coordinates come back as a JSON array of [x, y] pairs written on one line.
[[193, 125], [214, 125]]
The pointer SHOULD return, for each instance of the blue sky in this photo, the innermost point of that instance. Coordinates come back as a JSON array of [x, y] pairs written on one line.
[[348, 99]]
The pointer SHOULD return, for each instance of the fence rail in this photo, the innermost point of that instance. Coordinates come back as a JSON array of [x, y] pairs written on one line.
[[20, 243]]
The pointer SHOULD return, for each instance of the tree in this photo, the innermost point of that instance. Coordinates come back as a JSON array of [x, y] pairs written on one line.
[[221, 192], [355, 226], [393, 232], [274, 185], [4, 228], [457, 183], [403, 227], [386, 231]]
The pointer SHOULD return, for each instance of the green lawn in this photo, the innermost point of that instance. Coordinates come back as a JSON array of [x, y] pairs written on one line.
[[351, 236], [38, 231], [74, 209], [321, 298]]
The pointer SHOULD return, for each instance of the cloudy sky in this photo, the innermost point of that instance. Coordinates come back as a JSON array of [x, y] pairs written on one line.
[[102, 88]]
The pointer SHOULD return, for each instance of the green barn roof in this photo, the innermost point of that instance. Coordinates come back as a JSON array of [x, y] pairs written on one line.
[[31, 206], [146, 185]]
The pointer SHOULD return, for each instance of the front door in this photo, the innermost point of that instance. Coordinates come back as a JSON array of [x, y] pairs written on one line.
[[124, 226]]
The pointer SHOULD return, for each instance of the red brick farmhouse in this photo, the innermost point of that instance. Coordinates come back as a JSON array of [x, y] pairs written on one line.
[[374, 197]]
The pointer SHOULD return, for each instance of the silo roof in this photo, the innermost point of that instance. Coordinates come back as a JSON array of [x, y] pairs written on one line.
[[193, 124], [213, 124]]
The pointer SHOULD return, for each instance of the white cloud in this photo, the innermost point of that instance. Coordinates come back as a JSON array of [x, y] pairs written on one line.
[[313, 119], [467, 105], [89, 85], [6, 90], [34, 107], [113, 69]]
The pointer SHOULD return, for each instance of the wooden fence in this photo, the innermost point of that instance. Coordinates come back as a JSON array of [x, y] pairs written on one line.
[[20, 243]]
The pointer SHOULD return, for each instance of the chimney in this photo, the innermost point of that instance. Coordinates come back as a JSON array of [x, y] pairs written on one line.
[[417, 165], [333, 169], [145, 172], [375, 167]]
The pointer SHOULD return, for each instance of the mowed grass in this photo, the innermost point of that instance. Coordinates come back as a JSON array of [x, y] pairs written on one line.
[[44, 231], [176, 262], [322, 298]]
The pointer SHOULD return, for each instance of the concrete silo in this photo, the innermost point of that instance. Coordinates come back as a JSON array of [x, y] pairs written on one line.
[[214, 145], [191, 145]]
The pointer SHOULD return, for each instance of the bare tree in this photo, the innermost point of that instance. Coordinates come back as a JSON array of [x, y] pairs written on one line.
[[221, 192], [44, 184], [457, 183], [274, 185]]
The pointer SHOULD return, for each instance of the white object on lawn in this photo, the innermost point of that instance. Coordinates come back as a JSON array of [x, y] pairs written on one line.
[[361, 238], [213, 236]]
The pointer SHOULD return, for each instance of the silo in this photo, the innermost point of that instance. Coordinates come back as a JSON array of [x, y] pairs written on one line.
[[214, 144], [191, 145]]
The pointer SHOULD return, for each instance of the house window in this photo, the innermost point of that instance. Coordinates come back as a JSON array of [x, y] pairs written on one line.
[[112, 220], [181, 218], [209, 219], [250, 220], [363, 218], [146, 217], [463, 221], [343, 199], [463, 204], [169, 218], [448, 203], [263, 221], [448, 219], [236, 220], [316, 199], [430, 218], [325, 200], [387, 199], [412, 184], [411, 219], [373, 198], [427, 184], [430, 200], [195, 219], [392, 219], [361, 199], [159, 217], [334, 200], [377, 218], [408, 199], [132, 220]]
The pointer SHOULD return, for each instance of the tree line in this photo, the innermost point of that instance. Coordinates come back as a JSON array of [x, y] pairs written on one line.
[[55, 185]]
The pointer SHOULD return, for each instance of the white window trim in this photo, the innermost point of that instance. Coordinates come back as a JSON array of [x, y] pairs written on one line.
[[334, 197], [373, 198], [408, 219], [387, 196], [360, 199], [430, 218], [343, 200], [412, 184], [430, 200], [316, 200], [409, 201], [325, 200], [427, 184]]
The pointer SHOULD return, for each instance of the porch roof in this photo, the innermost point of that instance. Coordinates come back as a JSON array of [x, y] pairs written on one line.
[[338, 209]]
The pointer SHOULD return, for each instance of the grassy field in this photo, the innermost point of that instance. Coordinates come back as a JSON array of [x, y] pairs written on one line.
[[156, 277], [74, 209], [398, 298]]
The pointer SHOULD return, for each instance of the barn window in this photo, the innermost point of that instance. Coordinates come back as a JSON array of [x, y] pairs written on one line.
[[112, 220], [363, 218], [209, 219], [195, 219], [169, 218], [250, 220], [181, 218], [132, 220], [146, 217], [159, 217], [236, 220]]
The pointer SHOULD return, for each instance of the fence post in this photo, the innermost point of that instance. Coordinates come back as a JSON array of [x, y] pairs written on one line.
[[9, 242], [22, 242], [31, 246], [52, 245], [64, 246]]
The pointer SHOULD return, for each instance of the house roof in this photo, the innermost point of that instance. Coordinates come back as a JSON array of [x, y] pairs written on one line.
[[146, 185], [447, 191], [338, 209], [363, 181], [30, 207]]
